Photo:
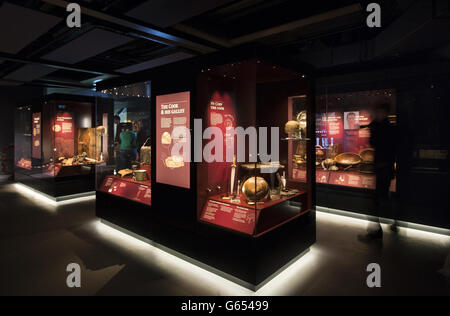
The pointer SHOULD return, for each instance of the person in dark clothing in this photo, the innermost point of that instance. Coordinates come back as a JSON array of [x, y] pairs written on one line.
[[117, 132], [383, 140]]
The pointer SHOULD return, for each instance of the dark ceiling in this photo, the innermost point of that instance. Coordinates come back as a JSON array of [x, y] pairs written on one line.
[[120, 37]]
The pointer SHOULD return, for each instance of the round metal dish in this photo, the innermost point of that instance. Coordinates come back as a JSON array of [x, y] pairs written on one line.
[[368, 155], [348, 159]]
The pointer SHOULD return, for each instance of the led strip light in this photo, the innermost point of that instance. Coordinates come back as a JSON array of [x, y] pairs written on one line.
[[43, 198]]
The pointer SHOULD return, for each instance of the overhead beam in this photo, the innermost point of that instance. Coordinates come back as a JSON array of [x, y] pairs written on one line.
[[333, 14], [326, 16], [150, 33], [203, 35], [55, 65], [45, 83]]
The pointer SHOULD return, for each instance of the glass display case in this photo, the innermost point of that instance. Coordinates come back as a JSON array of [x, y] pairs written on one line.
[[257, 169], [232, 170], [124, 129], [56, 145], [344, 155]]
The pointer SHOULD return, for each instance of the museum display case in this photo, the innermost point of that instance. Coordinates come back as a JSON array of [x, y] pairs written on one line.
[[56, 145], [260, 111], [124, 128], [344, 155], [239, 205]]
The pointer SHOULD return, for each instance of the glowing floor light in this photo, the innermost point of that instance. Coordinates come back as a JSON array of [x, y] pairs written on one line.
[[180, 268], [411, 230], [43, 198]]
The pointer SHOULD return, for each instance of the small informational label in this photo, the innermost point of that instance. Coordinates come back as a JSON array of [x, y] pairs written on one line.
[[322, 176], [53, 170], [299, 174], [127, 189], [353, 180], [230, 216]]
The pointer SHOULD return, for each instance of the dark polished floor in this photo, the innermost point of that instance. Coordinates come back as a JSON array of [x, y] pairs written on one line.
[[39, 240]]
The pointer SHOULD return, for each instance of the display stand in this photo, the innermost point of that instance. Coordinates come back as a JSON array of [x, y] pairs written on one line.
[[56, 146]]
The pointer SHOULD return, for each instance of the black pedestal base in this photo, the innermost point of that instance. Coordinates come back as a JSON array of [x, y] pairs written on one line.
[[244, 259]]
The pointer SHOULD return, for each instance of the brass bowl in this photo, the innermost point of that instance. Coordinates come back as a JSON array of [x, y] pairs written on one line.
[[255, 189], [299, 160], [348, 159], [368, 155], [140, 175]]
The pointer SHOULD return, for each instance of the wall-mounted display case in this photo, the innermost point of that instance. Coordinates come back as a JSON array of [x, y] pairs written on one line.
[[344, 154], [241, 214], [345, 171], [56, 145]]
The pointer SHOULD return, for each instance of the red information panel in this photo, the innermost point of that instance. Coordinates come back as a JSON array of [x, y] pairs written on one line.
[[350, 179], [299, 174], [353, 180], [230, 216], [127, 189], [364, 133], [330, 129], [322, 176], [221, 114], [37, 146], [173, 112], [53, 170], [64, 134]]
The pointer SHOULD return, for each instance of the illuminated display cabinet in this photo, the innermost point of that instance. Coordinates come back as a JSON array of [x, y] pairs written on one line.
[[241, 215], [125, 136], [56, 146], [345, 171]]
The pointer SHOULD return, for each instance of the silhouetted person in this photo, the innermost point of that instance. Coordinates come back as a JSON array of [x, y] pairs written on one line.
[[383, 140], [117, 130]]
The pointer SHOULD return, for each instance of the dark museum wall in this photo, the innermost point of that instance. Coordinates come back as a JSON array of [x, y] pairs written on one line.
[[10, 98]]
